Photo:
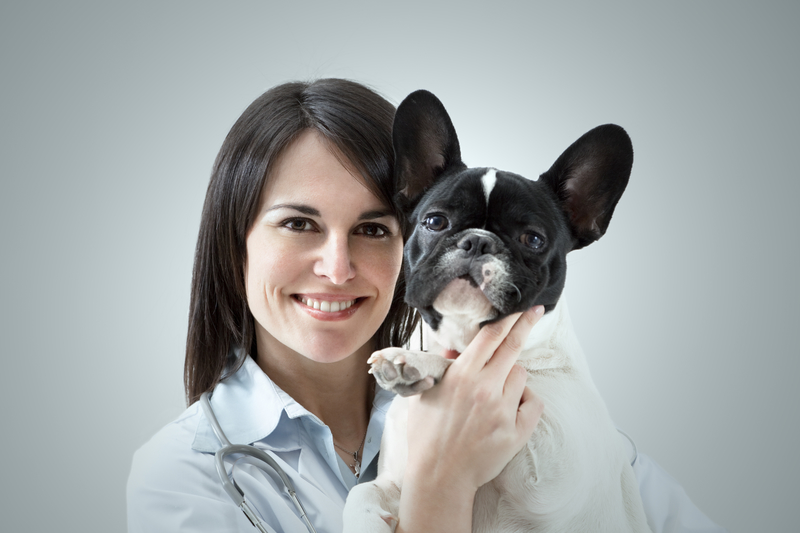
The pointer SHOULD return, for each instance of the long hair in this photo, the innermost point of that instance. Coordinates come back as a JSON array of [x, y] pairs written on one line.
[[357, 122]]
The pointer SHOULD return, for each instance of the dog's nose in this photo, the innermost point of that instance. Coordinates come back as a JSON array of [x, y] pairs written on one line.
[[477, 245]]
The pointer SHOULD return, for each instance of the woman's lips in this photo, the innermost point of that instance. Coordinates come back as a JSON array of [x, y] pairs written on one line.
[[328, 308]]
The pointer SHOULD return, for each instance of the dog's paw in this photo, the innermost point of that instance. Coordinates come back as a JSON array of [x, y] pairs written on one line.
[[372, 508], [405, 372]]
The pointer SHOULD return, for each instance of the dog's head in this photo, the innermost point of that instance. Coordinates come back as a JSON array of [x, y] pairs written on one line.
[[484, 243]]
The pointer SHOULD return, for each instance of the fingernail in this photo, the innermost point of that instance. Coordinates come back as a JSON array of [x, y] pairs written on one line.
[[538, 310]]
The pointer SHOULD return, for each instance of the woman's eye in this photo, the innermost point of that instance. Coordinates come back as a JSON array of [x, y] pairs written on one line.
[[373, 230], [532, 240], [297, 224], [435, 222]]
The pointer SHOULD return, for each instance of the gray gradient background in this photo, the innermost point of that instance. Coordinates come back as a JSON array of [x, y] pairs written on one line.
[[111, 117]]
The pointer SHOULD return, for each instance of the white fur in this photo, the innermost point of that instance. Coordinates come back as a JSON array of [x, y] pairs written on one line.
[[573, 476], [489, 179], [463, 308]]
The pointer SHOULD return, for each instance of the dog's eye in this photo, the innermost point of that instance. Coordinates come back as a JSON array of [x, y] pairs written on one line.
[[532, 240], [435, 223]]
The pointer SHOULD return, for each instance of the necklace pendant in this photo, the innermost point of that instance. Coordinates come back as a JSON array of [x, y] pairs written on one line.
[[356, 466]]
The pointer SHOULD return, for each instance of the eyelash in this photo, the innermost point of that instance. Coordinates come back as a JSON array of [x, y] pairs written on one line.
[[378, 227], [288, 224], [308, 225]]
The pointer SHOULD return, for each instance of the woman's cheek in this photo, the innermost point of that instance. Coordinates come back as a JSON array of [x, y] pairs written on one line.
[[392, 260]]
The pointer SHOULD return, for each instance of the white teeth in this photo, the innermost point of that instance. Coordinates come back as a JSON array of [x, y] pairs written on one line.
[[325, 306]]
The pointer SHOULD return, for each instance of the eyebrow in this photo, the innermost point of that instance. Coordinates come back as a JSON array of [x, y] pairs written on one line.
[[372, 215], [312, 212], [306, 210]]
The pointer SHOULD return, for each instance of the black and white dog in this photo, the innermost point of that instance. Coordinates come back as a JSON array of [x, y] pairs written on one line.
[[484, 244]]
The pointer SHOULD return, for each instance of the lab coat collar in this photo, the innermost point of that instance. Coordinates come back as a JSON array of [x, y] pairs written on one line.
[[249, 408]]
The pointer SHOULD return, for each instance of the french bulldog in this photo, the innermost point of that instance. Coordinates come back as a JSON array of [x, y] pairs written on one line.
[[483, 244]]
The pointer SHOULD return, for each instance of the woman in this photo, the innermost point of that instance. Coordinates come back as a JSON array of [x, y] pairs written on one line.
[[297, 280]]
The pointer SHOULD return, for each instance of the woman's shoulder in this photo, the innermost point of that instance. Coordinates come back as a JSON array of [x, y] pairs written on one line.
[[666, 504], [173, 487], [175, 436], [168, 455]]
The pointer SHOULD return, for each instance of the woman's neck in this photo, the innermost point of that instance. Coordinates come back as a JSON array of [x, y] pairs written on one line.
[[340, 394]]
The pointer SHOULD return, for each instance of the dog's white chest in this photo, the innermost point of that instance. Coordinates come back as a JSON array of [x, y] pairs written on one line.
[[572, 471]]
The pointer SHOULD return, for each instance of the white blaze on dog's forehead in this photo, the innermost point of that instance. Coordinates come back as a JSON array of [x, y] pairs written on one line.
[[488, 180]]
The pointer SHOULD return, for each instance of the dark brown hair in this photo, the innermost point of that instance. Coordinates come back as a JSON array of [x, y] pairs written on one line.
[[357, 123]]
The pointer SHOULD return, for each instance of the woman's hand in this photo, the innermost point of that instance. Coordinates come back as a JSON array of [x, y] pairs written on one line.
[[465, 430]]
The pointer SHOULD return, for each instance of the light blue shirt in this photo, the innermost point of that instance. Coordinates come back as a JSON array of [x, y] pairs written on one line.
[[174, 486]]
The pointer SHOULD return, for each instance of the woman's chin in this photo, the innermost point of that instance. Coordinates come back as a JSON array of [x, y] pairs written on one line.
[[335, 353]]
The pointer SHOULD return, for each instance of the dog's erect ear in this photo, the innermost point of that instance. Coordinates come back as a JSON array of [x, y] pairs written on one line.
[[425, 145], [589, 179]]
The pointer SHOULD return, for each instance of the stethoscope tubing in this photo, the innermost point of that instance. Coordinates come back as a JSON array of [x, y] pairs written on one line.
[[259, 456]]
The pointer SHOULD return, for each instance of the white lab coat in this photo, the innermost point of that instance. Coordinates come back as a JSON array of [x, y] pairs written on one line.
[[174, 486]]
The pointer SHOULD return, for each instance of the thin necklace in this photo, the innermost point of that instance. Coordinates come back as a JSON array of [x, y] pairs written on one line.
[[356, 466]]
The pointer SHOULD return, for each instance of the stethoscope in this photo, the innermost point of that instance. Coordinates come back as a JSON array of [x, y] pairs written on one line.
[[261, 460]]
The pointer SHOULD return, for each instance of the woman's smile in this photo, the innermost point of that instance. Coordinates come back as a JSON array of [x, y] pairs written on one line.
[[329, 307]]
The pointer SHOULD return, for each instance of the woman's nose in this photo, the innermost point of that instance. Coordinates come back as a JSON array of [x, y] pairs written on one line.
[[335, 261]]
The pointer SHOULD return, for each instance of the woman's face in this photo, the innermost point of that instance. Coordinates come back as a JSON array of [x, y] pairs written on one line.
[[323, 257]]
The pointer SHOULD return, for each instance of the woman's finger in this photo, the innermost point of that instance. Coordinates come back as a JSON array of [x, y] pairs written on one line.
[[529, 412], [515, 385], [484, 345], [508, 351]]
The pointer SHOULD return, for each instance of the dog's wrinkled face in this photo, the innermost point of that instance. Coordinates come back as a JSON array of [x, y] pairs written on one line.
[[485, 243]]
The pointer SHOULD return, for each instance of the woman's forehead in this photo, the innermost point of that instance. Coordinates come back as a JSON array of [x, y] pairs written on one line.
[[309, 171]]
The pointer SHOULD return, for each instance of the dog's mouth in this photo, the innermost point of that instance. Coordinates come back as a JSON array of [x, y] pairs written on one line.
[[463, 298], [470, 279]]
